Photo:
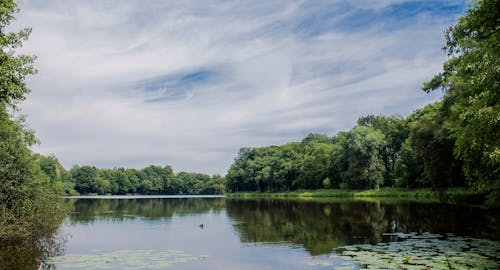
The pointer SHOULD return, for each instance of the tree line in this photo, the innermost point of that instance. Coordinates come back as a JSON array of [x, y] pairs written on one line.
[[453, 142], [380, 151], [120, 181]]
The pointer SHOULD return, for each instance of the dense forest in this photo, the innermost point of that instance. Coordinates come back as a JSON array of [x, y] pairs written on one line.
[[120, 181], [380, 151], [453, 142]]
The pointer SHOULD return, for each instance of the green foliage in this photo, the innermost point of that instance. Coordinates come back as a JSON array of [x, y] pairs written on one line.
[[57, 174], [315, 164], [471, 79], [432, 147], [151, 180], [85, 179], [26, 196], [359, 162], [380, 151], [30, 204], [13, 67], [395, 130], [387, 194], [352, 157], [327, 183]]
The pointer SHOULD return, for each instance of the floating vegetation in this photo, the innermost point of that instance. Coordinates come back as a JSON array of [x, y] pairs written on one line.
[[122, 259], [421, 251], [320, 263]]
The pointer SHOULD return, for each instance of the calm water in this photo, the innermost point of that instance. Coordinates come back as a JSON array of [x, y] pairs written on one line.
[[246, 233]]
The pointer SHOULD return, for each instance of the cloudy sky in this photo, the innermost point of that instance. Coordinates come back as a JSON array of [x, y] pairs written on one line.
[[187, 83]]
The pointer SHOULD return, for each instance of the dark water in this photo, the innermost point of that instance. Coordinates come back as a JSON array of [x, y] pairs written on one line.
[[248, 233]]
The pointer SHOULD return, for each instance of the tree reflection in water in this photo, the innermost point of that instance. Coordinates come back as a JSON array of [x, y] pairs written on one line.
[[90, 210], [30, 253], [321, 226]]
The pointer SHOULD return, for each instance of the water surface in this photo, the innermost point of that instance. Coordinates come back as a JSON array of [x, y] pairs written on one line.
[[224, 233]]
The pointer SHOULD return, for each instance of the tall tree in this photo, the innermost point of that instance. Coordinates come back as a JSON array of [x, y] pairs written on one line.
[[85, 179], [360, 159], [29, 202], [316, 164], [471, 80], [432, 145], [57, 174], [395, 130]]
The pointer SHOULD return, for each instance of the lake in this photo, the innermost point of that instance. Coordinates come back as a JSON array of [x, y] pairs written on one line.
[[226, 233]]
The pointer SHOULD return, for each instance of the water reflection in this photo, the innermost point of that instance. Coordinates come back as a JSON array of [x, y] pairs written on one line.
[[90, 210], [239, 232], [29, 254], [321, 226]]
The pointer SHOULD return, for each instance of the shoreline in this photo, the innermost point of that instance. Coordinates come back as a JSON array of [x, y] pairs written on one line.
[[457, 195], [450, 195], [142, 196]]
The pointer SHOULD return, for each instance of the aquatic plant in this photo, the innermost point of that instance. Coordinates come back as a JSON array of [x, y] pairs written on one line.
[[420, 251], [121, 259]]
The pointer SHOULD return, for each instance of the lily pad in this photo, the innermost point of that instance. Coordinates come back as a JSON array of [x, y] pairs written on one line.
[[422, 251], [122, 259]]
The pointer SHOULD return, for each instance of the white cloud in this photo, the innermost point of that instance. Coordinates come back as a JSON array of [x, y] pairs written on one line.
[[277, 78]]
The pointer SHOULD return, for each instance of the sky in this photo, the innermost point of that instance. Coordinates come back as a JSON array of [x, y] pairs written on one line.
[[131, 83]]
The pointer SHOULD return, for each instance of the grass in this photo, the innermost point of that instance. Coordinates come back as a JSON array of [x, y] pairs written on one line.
[[452, 195]]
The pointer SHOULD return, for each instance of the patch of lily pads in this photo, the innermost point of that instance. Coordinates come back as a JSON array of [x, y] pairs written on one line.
[[415, 251], [122, 259]]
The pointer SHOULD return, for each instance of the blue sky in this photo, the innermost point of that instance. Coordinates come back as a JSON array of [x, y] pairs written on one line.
[[187, 83]]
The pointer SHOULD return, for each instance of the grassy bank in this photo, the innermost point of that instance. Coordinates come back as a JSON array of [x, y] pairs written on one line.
[[452, 195]]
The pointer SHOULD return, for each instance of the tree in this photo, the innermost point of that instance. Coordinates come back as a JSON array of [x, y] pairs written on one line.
[[316, 164], [471, 81], [395, 130], [326, 183], [30, 204], [85, 179], [432, 144], [159, 178], [214, 186], [359, 160], [13, 68], [57, 174], [133, 177], [239, 176], [318, 138]]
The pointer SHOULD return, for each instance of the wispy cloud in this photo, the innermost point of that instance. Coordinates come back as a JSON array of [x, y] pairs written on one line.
[[187, 83]]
